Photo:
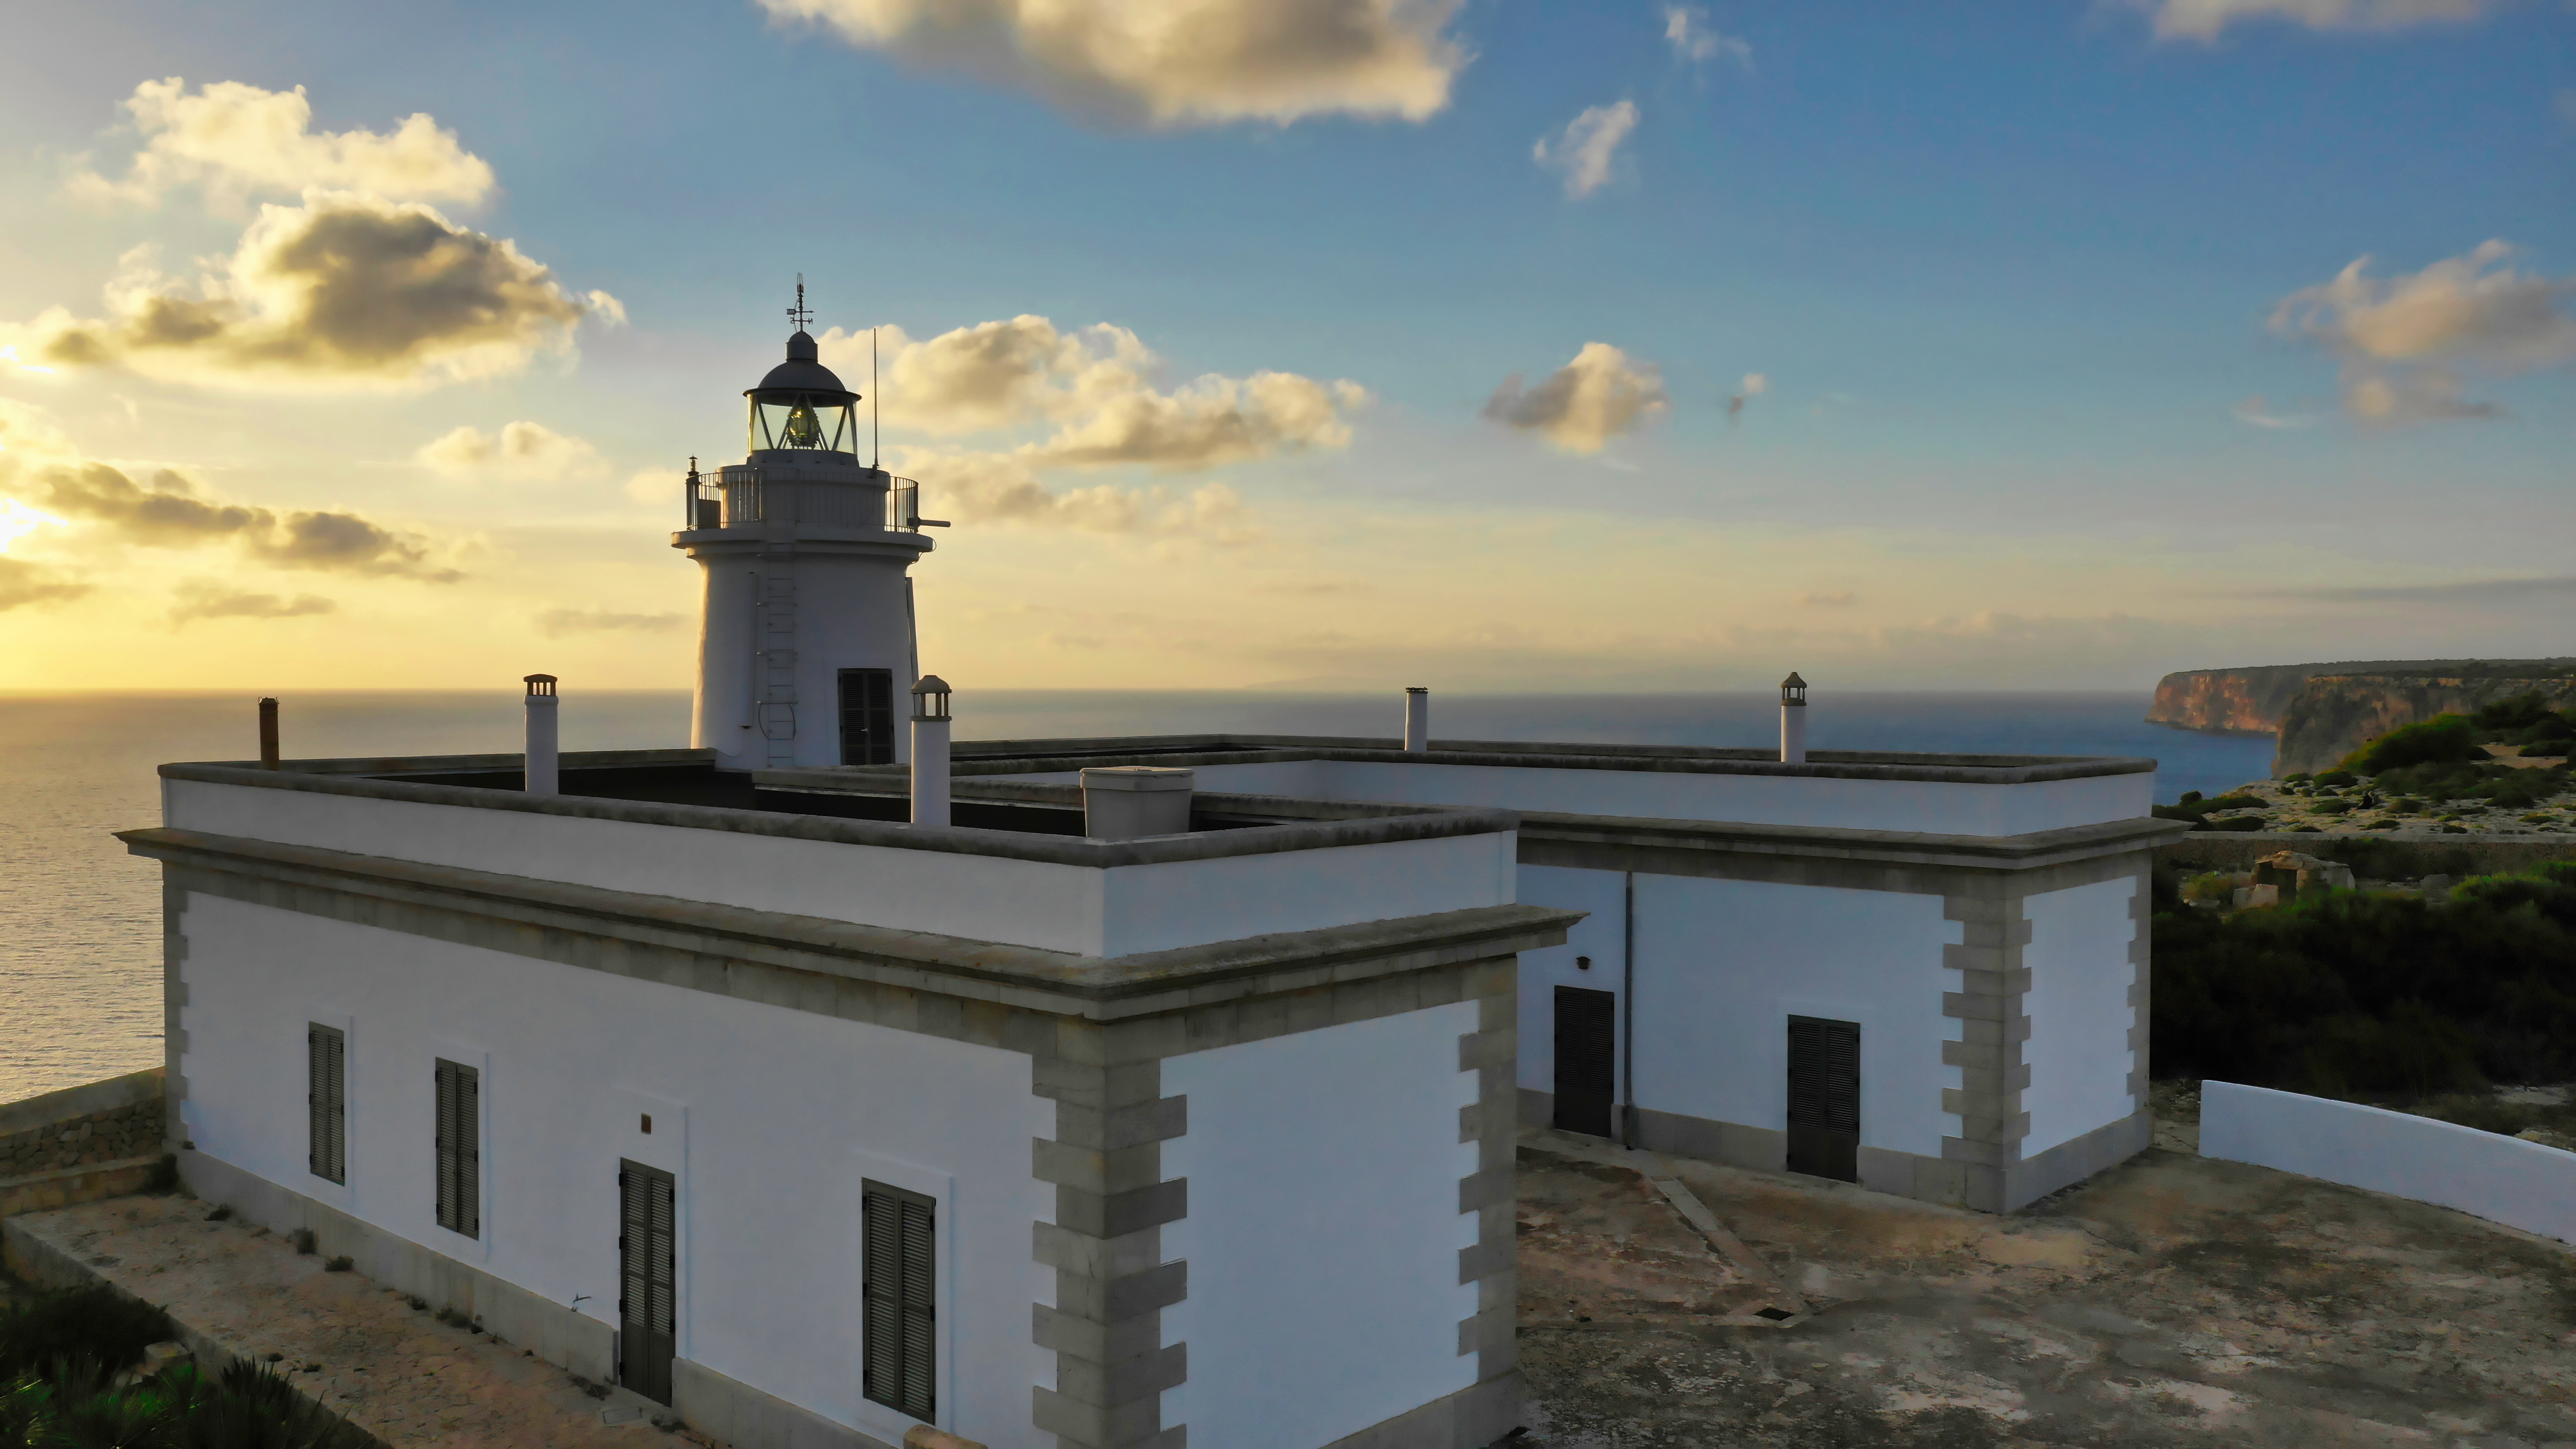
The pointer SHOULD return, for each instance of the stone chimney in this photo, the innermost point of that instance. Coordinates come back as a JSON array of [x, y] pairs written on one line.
[[1793, 720], [1417, 718], [1123, 802], [542, 736], [930, 724]]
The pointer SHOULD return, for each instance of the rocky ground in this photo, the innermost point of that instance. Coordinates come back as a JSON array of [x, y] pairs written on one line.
[[2333, 810], [2172, 1301]]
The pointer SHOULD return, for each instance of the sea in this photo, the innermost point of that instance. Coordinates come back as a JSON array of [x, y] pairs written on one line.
[[80, 923]]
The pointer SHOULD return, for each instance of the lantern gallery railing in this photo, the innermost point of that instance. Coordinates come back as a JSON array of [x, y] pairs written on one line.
[[740, 496]]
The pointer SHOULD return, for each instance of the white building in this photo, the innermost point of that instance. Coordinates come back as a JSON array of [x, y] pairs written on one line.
[[821, 1094], [1923, 973]]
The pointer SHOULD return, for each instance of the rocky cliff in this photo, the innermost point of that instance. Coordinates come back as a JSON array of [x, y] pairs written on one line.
[[2233, 701], [2334, 714]]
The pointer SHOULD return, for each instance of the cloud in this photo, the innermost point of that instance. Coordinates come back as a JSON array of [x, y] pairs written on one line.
[[23, 583], [1584, 404], [1843, 600], [558, 623], [204, 599], [2404, 340], [1096, 382], [344, 291], [238, 139], [2257, 412], [1095, 387], [520, 452], [2204, 19], [2471, 593], [171, 513], [1005, 488], [1753, 386], [1173, 63], [1585, 149], [1687, 28]]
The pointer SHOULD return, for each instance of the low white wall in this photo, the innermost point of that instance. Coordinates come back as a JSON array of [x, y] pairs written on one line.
[[768, 1118], [1323, 1230], [980, 897], [2078, 1004], [2502, 1179], [1936, 807], [1722, 965], [1601, 936]]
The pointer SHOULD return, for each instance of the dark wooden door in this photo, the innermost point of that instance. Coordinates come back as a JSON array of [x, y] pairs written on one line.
[[867, 716], [1824, 1097], [648, 1279], [1587, 1056]]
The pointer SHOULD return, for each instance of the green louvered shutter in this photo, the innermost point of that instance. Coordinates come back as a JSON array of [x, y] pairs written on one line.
[[899, 1290], [460, 1150], [326, 1098]]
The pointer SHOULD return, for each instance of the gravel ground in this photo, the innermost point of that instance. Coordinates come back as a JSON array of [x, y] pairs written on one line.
[[2171, 1301]]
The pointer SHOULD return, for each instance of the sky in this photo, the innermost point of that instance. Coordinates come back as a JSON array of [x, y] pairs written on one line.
[[1481, 344]]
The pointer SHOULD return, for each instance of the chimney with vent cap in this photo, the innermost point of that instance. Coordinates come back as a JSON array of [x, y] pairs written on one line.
[[541, 771], [268, 734], [930, 724], [1417, 717], [1793, 720]]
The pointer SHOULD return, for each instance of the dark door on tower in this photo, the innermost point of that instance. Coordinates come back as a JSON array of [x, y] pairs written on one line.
[[647, 1285], [1824, 1097], [1587, 1053], [867, 716]]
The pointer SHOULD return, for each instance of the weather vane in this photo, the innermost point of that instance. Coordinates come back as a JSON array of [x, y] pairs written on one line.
[[799, 314]]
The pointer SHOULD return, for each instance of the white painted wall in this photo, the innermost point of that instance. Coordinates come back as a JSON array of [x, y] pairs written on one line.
[[2078, 1005], [1723, 965], [770, 1118], [1158, 907], [980, 897], [1323, 1232], [2502, 1179], [850, 614], [1601, 935], [1925, 806]]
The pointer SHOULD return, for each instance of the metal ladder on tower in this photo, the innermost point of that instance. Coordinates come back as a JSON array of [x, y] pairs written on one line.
[[778, 656]]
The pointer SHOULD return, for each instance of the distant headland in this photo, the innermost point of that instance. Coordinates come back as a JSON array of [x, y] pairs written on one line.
[[2322, 712]]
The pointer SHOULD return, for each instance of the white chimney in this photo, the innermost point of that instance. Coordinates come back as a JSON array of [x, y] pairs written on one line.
[[1417, 717], [930, 751], [1793, 720], [542, 736], [1123, 802]]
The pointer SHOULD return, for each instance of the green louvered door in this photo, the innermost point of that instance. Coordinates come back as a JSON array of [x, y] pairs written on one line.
[[648, 1279], [900, 1291], [1824, 1097], [460, 1148]]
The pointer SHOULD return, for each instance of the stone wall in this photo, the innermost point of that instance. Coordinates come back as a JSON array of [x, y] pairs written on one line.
[[2379, 857], [106, 1121]]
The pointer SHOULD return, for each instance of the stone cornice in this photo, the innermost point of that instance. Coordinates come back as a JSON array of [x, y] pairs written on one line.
[[1061, 983]]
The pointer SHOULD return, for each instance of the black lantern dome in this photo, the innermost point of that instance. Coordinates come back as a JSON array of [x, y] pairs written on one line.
[[801, 403], [1793, 690]]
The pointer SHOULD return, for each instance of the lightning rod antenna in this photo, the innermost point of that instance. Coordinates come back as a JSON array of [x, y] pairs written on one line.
[[876, 455]]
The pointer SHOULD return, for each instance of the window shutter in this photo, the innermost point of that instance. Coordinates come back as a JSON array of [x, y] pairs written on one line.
[[1807, 1091], [460, 1157], [316, 1160], [1842, 1075], [899, 1292]]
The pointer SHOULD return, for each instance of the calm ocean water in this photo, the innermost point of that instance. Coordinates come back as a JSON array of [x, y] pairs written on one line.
[[80, 919]]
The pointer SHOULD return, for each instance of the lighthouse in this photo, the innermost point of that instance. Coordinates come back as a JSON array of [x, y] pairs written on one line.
[[806, 640]]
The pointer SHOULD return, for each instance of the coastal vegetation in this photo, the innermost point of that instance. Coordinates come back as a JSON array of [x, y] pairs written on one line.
[[2370, 994], [70, 1378]]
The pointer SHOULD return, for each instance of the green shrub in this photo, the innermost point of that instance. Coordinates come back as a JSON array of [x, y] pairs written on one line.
[[2233, 822], [2520, 712], [2333, 807], [2188, 797], [2351, 992], [2335, 777], [2443, 737], [2300, 778], [97, 1323], [2212, 885]]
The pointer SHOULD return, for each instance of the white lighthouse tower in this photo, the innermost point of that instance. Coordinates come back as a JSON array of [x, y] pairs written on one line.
[[806, 641]]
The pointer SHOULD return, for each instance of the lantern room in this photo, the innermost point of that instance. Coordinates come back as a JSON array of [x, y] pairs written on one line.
[[802, 405]]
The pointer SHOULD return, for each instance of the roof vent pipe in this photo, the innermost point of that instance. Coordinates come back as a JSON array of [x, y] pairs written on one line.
[[268, 734], [542, 774], [1124, 802], [930, 725], [1793, 720], [1417, 718]]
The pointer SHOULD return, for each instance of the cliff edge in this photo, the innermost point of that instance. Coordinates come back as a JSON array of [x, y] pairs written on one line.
[[2334, 714], [2235, 701]]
